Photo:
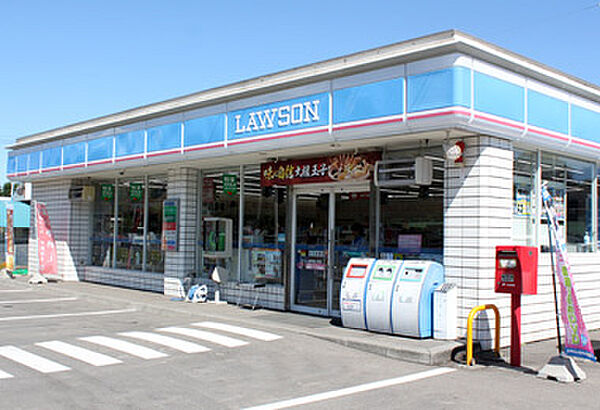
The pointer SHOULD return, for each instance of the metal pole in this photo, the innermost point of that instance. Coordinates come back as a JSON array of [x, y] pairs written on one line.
[[554, 288], [198, 246], [241, 224], [515, 330], [145, 219], [115, 224]]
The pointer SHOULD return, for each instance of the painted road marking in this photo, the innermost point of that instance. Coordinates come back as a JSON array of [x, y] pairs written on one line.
[[353, 390], [177, 344], [126, 347], [255, 334], [4, 375], [31, 360], [15, 302], [15, 290], [79, 353], [59, 315], [208, 336]]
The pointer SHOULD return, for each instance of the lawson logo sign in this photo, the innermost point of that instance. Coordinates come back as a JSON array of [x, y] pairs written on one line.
[[299, 113]]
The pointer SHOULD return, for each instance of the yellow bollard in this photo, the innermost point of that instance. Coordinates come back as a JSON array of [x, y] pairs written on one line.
[[472, 314]]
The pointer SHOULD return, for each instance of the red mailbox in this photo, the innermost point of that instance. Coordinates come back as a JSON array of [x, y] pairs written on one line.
[[516, 273], [516, 269]]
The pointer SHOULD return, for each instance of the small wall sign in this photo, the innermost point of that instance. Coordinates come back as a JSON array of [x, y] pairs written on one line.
[[107, 191], [170, 229], [230, 184], [136, 191]]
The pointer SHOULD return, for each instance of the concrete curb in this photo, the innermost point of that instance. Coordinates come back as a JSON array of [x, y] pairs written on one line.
[[434, 355]]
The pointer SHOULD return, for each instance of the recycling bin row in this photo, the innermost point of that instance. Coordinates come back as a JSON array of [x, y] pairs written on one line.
[[390, 296]]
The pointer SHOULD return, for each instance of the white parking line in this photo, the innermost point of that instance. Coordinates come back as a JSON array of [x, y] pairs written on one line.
[[255, 334], [177, 344], [353, 390], [4, 375], [208, 336], [15, 290], [31, 360], [126, 347], [79, 353], [15, 302], [58, 315]]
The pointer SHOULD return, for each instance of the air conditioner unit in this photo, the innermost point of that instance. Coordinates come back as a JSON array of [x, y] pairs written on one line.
[[403, 172], [84, 193], [21, 191]]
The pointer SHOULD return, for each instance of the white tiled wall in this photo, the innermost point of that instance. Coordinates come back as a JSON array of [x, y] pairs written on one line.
[[477, 217], [124, 278], [55, 195], [183, 184]]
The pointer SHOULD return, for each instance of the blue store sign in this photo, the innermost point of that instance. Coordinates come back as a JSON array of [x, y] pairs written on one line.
[[290, 115]]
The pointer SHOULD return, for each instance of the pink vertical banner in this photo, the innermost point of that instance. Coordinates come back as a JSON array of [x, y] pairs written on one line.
[[10, 238], [577, 340], [48, 263]]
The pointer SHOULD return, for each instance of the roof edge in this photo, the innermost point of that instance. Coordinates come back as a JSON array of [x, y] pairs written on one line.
[[448, 40]]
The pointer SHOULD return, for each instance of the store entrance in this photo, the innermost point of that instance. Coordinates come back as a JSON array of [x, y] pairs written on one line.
[[330, 226]]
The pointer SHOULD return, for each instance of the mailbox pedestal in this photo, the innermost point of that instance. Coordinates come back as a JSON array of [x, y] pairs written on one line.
[[516, 273]]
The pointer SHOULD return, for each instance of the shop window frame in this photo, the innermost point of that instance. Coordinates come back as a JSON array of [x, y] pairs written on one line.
[[115, 230], [539, 211], [236, 269]]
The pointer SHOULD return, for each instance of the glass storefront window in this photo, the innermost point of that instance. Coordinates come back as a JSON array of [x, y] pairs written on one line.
[[411, 216], [569, 182], [130, 233], [157, 193], [103, 224], [131, 196], [524, 197], [263, 240], [220, 221]]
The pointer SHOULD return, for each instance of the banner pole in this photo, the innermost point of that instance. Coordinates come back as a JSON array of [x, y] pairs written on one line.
[[554, 288]]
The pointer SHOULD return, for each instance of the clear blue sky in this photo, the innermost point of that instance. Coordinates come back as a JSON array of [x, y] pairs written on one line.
[[67, 61]]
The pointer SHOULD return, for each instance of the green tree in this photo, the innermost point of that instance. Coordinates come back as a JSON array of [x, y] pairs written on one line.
[[5, 189]]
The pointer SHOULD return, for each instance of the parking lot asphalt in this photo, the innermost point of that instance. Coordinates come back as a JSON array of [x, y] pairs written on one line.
[[74, 345]]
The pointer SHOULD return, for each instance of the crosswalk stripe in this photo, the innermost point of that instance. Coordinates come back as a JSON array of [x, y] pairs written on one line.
[[4, 375], [255, 334], [31, 360], [202, 335], [79, 353], [126, 347], [177, 344]]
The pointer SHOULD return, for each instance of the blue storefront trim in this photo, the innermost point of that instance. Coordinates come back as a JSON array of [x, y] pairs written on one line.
[[450, 91]]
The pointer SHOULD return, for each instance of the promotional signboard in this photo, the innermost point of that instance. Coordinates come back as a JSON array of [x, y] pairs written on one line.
[[136, 191], [10, 238], [338, 168], [230, 184], [48, 262], [266, 262], [170, 222], [577, 341], [107, 191]]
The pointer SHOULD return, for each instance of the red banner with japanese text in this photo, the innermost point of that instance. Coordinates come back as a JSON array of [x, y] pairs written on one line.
[[48, 262], [342, 167]]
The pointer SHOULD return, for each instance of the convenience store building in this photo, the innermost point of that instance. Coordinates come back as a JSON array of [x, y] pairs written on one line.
[[280, 179]]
